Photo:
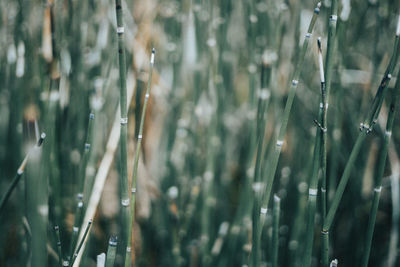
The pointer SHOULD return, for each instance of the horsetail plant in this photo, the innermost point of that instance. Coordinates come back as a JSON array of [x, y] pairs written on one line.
[[365, 129], [83, 240], [59, 248], [377, 105], [273, 159], [82, 175], [37, 208], [260, 132], [19, 173], [313, 182], [123, 178], [330, 56], [379, 174], [136, 161], [111, 251], [263, 198]]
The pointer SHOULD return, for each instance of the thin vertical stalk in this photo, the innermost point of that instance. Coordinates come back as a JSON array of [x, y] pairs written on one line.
[[380, 171], [325, 248], [313, 187], [136, 162], [19, 173], [388, 73], [274, 157], [330, 57], [59, 248], [263, 102], [83, 240], [275, 230], [82, 176], [111, 251], [275, 153], [37, 208], [365, 128], [123, 178]]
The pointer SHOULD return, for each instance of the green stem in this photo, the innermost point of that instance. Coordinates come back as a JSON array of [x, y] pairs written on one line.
[[313, 187], [365, 128], [330, 56], [37, 208], [136, 162], [344, 179], [83, 240], [325, 248], [82, 176], [380, 172], [275, 153], [263, 102], [18, 175], [111, 252], [123, 179], [273, 159], [59, 248]]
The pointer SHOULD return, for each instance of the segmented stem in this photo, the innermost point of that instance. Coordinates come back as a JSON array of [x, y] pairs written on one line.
[[275, 153], [313, 187], [111, 251], [123, 178], [82, 175], [380, 172], [330, 57], [136, 162], [59, 248], [365, 128], [19, 173], [83, 240]]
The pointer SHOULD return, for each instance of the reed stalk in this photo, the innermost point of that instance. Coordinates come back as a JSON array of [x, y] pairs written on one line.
[[275, 153], [83, 240], [19, 173], [82, 175], [380, 171], [129, 251], [330, 57], [111, 251], [365, 129], [59, 247], [313, 182], [123, 178], [37, 208], [263, 101]]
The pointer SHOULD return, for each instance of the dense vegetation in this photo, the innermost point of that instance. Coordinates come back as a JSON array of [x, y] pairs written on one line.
[[198, 133]]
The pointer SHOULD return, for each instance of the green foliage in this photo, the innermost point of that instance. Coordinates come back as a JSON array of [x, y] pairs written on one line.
[[191, 166]]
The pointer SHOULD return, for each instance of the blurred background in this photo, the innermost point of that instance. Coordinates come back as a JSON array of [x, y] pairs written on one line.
[[214, 61]]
